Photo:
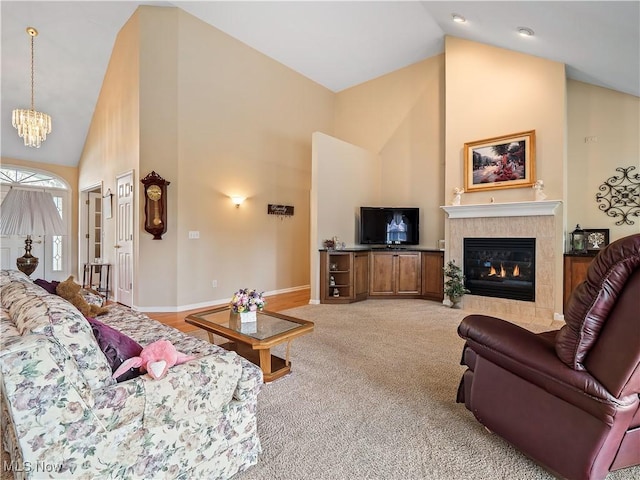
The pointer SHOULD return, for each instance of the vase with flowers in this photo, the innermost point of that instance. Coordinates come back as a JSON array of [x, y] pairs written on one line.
[[247, 302]]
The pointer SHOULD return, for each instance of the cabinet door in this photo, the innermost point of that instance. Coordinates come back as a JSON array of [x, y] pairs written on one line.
[[381, 273], [361, 275], [432, 275], [408, 277], [575, 272]]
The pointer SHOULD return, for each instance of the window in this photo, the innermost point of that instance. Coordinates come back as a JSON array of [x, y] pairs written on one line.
[[56, 240], [57, 253], [20, 176]]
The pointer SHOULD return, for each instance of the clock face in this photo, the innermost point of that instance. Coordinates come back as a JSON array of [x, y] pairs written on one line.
[[154, 192]]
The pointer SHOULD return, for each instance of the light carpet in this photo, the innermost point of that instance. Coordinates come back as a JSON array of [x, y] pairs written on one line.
[[372, 396]]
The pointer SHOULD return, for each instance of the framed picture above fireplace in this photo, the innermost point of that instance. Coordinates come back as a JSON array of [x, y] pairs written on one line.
[[500, 162], [597, 238]]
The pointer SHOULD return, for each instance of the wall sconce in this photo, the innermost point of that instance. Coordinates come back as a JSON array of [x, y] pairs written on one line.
[[237, 200]]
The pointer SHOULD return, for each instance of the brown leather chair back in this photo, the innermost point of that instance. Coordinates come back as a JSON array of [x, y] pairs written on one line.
[[610, 294], [614, 360]]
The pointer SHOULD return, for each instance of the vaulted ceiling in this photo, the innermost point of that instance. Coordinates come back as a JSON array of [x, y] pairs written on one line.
[[337, 44]]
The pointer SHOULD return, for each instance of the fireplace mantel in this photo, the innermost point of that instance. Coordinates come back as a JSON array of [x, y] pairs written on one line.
[[509, 209]]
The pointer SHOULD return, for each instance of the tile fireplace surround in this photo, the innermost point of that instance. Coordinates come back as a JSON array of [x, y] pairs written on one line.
[[537, 220]]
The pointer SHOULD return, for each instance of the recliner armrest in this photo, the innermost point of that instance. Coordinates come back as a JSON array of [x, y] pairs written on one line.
[[532, 357]]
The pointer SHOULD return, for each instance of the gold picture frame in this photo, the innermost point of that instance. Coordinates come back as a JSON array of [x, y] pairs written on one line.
[[508, 161]]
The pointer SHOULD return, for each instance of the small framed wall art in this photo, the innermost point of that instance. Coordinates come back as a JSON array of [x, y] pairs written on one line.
[[500, 162], [596, 238]]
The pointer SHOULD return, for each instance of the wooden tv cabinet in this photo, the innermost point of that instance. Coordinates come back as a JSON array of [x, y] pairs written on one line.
[[351, 275]]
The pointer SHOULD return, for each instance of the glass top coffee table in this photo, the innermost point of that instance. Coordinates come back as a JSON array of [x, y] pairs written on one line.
[[254, 340]]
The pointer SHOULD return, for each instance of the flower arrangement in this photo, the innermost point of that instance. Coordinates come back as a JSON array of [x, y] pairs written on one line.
[[329, 244], [245, 300]]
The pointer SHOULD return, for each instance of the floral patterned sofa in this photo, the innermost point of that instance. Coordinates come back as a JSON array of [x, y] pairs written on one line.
[[63, 416]]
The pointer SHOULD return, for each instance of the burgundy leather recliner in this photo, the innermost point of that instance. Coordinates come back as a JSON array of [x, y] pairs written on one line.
[[568, 399]]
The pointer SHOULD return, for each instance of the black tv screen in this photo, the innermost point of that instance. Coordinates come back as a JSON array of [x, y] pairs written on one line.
[[389, 225]]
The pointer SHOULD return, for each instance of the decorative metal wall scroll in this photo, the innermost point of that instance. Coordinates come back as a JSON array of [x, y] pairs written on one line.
[[621, 196]]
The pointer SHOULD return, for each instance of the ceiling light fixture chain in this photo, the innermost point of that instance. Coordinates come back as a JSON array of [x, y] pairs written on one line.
[[32, 126], [32, 33]]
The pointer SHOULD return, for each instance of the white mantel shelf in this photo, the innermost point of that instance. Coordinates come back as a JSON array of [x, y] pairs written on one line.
[[509, 209]]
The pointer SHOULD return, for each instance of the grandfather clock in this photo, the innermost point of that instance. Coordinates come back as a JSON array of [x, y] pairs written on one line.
[[155, 205]]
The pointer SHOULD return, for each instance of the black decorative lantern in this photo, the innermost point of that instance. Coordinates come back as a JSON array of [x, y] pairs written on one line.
[[578, 240]]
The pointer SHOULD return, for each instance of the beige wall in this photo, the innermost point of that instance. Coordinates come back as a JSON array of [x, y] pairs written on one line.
[[245, 124], [344, 178], [112, 146], [492, 92], [400, 117], [158, 260], [613, 118], [216, 118]]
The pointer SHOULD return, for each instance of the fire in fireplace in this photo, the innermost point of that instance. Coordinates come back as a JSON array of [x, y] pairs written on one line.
[[501, 267]]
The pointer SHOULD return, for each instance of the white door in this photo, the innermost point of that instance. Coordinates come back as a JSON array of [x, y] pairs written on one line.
[[124, 240]]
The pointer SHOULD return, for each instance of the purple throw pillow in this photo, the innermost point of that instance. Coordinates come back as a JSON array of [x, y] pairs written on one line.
[[48, 286], [116, 346]]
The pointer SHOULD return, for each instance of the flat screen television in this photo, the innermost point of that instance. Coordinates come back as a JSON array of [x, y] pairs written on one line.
[[389, 226]]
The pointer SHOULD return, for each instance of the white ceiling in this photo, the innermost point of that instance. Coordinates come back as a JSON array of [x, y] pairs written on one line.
[[337, 44]]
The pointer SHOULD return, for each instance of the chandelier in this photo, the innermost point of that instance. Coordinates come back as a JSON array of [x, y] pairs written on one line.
[[32, 126]]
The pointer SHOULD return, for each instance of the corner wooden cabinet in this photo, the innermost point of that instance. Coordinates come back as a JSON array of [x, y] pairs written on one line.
[[575, 272], [351, 275]]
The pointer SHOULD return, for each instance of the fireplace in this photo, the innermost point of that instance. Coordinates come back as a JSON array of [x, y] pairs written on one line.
[[500, 267], [514, 220]]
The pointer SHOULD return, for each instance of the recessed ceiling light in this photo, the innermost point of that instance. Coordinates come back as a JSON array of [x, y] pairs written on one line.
[[525, 32], [458, 18]]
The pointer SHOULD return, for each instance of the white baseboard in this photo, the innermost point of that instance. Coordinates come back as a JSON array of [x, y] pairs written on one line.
[[212, 303]]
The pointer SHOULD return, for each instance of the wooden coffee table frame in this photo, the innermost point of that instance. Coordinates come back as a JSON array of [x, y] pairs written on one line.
[[257, 351]]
